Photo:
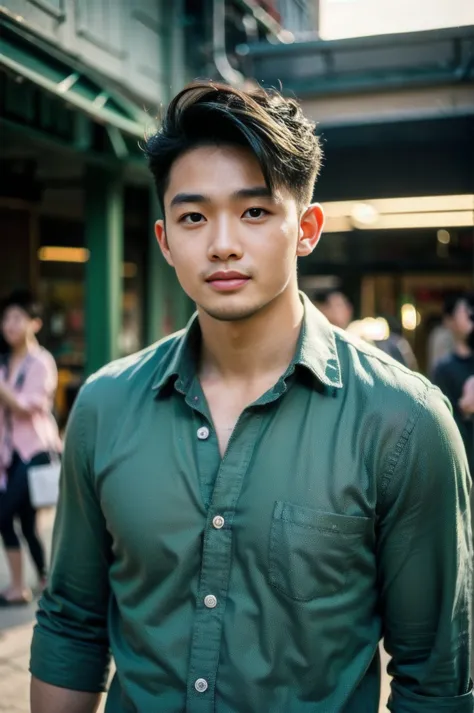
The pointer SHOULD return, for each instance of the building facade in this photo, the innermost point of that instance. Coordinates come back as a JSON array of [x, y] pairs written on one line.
[[80, 85]]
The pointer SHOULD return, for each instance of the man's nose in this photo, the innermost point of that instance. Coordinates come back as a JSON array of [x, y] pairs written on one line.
[[225, 243]]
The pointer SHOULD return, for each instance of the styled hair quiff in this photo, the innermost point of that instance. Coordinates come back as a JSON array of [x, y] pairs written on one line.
[[274, 128]]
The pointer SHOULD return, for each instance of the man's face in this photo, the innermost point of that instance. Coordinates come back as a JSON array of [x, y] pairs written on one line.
[[233, 244], [18, 326], [460, 321], [338, 310]]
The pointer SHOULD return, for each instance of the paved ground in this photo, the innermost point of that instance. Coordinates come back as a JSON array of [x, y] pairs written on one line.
[[15, 636]]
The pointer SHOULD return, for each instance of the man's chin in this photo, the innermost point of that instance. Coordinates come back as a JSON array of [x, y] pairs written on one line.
[[231, 313]]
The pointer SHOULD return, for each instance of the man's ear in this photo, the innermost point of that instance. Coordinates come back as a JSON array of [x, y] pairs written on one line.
[[160, 232], [311, 226]]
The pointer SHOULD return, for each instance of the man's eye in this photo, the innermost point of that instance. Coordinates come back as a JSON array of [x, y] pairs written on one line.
[[191, 218], [256, 212]]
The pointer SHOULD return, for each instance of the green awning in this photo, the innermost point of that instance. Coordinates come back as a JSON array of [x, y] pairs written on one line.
[[44, 64]]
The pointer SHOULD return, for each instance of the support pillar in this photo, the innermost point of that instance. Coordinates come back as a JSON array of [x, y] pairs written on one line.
[[104, 240]]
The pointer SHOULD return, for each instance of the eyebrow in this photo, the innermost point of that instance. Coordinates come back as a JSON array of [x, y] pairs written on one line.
[[255, 192]]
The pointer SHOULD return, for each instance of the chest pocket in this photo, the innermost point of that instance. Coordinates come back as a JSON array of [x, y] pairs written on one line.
[[311, 552]]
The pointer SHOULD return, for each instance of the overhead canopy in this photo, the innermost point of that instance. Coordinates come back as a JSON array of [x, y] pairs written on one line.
[[388, 62], [54, 71]]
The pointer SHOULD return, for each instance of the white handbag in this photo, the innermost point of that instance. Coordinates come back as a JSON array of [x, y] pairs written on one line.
[[43, 483]]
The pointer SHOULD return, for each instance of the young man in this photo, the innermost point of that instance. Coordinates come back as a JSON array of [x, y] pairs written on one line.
[[454, 370], [249, 506]]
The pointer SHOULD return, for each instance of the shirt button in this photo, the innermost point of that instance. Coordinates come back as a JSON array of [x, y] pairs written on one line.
[[218, 522], [201, 685], [210, 601], [203, 433]]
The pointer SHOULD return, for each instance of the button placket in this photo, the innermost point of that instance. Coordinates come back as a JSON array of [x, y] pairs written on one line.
[[216, 563]]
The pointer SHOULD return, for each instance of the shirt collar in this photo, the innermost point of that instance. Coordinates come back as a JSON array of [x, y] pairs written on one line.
[[316, 351]]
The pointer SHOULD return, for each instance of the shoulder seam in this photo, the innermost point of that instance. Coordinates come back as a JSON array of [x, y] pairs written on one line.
[[370, 355], [394, 457]]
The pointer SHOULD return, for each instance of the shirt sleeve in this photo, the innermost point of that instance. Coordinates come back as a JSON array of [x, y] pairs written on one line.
[[425, 565], [70, 646], [37, 391]]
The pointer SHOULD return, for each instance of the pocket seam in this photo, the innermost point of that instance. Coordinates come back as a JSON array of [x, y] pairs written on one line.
[[273, 567]]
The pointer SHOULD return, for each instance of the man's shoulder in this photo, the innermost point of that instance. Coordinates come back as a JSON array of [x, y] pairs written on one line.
[[118, 379], [387, 383], [397, 397]]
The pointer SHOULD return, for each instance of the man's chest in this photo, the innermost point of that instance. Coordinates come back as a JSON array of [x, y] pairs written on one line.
[[290, 488]]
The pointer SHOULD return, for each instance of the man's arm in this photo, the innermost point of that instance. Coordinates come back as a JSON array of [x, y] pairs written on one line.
[[51, 699], [424, 557], [70, 648]]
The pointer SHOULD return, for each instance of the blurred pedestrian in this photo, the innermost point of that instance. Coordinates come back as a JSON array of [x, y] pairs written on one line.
[[396, 345], [440, 342], [249, 505], [28, 435], [335, 306], [454, 370]]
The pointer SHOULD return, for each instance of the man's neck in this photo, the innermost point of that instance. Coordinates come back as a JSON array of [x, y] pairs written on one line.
[[247, 349]]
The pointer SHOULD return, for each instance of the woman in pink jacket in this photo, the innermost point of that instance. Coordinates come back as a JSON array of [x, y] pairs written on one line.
[[28, 434]]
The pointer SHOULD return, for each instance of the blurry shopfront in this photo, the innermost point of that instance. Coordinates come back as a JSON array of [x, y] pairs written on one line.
[[76, 204]]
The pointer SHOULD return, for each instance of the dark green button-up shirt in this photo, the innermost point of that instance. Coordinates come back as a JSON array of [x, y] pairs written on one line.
[[261, 582]]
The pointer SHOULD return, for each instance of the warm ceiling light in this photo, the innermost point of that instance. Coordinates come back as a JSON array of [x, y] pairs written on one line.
[[410, 317], [61, 254], [443, 237], [337, 224], [398, 221], [400, 213], [415, 204], [364, 214]]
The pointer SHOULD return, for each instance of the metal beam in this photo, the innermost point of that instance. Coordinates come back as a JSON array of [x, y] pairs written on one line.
[[439, 102], [357, 65]]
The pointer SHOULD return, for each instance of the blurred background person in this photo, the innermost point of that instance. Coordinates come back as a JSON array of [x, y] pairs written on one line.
[[28, 435], [335, 306], [454, 371], [396, 345], [440, 343]]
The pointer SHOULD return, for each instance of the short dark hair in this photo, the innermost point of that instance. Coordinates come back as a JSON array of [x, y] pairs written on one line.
[[323, 296], [452, 300], [274, 128], [25, 300]]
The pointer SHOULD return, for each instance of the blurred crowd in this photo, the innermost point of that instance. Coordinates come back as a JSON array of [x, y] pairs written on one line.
[[450, 349]]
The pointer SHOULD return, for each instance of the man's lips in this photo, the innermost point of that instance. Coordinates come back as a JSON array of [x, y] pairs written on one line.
[[226, 275], [227, 280]]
